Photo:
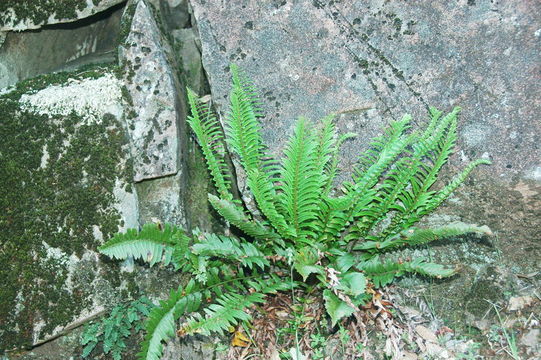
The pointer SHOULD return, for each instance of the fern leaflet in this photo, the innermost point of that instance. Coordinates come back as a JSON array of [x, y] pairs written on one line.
[[151, 244]]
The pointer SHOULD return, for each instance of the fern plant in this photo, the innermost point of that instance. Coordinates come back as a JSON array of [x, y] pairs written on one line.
[[115, 328], [337, 237]]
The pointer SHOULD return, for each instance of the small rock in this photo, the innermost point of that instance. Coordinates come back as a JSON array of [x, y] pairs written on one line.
[[531, 338], [482, 324], [520, 302]]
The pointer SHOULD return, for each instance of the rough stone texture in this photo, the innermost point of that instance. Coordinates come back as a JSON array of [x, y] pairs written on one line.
[[19, 15], [65, 187], [160, 200], [373, 61], [175, 13], [155, 127], [27, 54], [194, 348], [56, 219], [58, 349], [189, 51]]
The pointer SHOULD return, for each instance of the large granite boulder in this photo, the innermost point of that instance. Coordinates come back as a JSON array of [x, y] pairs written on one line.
[[371, 61], [90, 153]]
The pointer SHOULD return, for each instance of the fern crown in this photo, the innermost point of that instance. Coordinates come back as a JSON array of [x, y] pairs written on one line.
[[336, 239]]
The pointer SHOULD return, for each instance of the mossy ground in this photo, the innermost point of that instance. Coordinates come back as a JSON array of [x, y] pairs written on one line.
[[57, 176]]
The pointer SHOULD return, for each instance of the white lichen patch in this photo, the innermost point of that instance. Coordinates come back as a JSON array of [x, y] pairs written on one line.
[[127, 206], [54, 253], [44, 157], [88, 98], [534, 173]]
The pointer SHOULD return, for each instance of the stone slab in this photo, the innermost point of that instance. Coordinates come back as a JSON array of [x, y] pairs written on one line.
[[153, 90]]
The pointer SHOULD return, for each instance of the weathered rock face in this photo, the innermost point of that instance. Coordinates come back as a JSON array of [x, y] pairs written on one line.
[[22, 15], [145, 56], [69, 178], [72, 141], [156, 121], [372, 61], [60, 47], [369, 62], [65, 188]]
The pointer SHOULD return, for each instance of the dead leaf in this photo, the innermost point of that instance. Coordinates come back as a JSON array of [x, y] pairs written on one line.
[[444, 330], [426, 333], [239, 339]]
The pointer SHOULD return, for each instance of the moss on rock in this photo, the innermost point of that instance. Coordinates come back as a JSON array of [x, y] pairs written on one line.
[[38, 12], [57, 176]]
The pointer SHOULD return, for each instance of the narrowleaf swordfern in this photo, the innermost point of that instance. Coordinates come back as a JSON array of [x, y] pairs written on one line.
[[335, 237]]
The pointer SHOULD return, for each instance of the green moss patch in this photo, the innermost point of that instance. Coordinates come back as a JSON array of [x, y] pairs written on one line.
[[38, 11], [57, 176]]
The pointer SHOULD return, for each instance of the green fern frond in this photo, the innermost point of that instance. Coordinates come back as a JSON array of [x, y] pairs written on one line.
[[392, 188], [243, 134], [329, 217], [325, 149], [384, 273], [300, 182], [382, 151], [232, 249], [331, 169], [332, 217], [381, 273], [242, 127], [230, 306], [444, 193], [392, 145], [151, 244], [160, 324], [410, 182], [422, 267], [265, 196], [209, 134], [437, 149], [413, 237], [228, 310], [271, 284], [435, 116], [236, 216]]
